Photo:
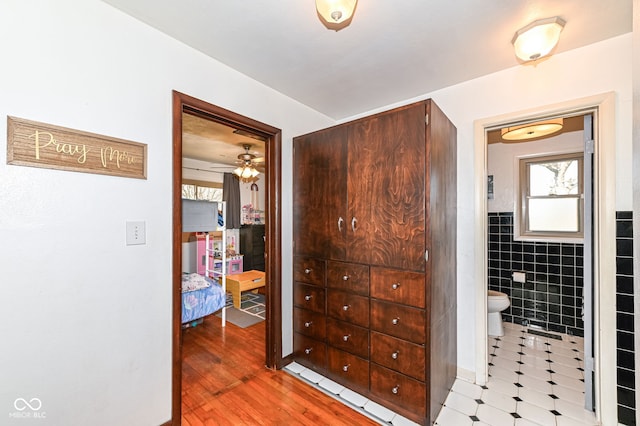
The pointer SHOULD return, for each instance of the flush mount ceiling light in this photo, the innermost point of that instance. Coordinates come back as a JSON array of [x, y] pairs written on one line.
[[335, 14], [532, 130], [246, 172], [537, 39]]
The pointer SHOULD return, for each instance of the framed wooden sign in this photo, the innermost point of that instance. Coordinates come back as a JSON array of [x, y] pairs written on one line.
[[34, 144]]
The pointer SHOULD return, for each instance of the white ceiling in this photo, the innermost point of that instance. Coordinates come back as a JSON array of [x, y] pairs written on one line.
[[393, 50]]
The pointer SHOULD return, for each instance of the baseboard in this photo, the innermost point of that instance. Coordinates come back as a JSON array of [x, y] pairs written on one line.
[[466, 375]]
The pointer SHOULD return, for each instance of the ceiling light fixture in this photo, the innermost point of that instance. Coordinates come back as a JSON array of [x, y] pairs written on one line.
[[335, 14], [537, 39], [532, 130], [246, 172]]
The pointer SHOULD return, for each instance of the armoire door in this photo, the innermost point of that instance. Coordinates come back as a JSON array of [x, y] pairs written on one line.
[[319, 194], [386, 190]]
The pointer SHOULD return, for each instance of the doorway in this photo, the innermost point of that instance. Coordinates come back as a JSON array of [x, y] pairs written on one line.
[[273, 298], [603, 241]]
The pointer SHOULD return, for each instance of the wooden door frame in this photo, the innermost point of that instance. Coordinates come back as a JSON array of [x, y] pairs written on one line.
[[273, 228]]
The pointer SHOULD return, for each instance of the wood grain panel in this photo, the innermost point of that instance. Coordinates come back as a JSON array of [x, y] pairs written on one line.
[[348, 307], [398, 286], [309, 297], [309, 323], [348, 369], [348, 337], [399, 321], [319, 193], [348, 276], [399, 355], [308, 270]]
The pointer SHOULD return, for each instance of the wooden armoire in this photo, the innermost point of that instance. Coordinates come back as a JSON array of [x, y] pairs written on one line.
[[374, 229]]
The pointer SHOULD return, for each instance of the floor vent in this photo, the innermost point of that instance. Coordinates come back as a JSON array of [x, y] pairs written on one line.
[[543, 334]]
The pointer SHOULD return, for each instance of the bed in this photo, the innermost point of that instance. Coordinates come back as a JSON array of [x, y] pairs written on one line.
[[201, 296]]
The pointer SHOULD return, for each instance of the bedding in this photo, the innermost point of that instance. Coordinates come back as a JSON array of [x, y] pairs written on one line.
[[200, 297]]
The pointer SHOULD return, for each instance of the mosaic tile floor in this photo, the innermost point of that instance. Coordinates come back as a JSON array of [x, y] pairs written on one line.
[[533, 380]]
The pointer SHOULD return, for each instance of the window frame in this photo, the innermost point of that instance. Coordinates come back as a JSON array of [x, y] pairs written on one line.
[[521, 221], [200, 183]]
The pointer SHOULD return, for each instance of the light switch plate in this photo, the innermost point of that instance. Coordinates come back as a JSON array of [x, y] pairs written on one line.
[[136, 233]]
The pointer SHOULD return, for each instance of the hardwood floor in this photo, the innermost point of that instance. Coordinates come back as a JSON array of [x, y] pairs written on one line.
[[225, 382]]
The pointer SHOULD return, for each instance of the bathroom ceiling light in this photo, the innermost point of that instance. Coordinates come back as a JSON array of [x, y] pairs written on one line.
[[537, 39], [335, 14], [531, 130]]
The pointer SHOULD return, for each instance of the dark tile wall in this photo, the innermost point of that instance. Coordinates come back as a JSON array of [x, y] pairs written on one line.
[[624, 324], [551, 297]]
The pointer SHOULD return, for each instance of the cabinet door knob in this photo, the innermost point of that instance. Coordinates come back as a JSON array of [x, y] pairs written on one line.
[[346, 307], [340, 222], [395, 390], [354, 224], [308, 324], [345, 277], [346, 337], [308, 297], [308, 351], [395, 354], [307, 270], [345, 368], [395, 286], [395, 321]]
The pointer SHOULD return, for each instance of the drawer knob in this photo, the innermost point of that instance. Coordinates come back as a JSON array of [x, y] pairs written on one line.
[[395, 321], [345, 278], [308, 324], [307, 270], [308, 297], [346, 307], [395, 390], [346, 337], [395, 354], [395, 286], [345, 368], [308, 351]]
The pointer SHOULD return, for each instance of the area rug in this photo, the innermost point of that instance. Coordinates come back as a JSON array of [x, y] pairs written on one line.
[[252, 310]]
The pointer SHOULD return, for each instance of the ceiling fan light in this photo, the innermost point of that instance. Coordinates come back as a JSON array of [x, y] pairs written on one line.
[[335, 14], [537, 39], [532, 130]]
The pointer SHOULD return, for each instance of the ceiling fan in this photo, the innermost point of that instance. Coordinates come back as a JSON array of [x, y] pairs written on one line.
[[247, 170]]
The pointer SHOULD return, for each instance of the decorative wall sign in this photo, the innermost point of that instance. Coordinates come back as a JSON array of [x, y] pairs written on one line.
[[34, 144]]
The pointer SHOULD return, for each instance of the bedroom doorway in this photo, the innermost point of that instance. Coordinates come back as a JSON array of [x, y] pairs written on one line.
[[272, 229]]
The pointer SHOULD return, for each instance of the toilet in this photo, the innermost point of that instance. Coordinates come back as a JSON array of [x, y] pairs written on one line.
[[497, 302]]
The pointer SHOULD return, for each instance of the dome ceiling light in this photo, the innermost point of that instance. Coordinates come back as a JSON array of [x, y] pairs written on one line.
[[537, 39], [335, 14], [532, 130]]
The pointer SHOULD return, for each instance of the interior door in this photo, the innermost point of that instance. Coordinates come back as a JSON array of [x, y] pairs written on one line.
[[589, 146]]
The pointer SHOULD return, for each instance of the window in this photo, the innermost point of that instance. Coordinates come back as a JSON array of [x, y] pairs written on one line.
[[551, 202], [196, 190]]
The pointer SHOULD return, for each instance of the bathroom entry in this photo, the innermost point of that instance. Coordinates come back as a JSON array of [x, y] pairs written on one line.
[[540, 228]]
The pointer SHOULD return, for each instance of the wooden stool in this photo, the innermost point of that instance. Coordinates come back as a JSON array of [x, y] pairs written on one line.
[[249, 280]]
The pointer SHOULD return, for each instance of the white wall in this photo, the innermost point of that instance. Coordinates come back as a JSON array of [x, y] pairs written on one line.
[[594, 69], [502, 164], [86, 320]]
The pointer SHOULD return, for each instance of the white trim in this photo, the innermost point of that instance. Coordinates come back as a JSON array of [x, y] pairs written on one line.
[[604, 241]]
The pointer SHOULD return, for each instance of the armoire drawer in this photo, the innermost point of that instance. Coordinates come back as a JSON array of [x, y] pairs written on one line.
[[397, 286], [309, 323], [398, 389], [309, 352], [308, 270], [348, 307], [348, 276], [399, 355], [348, 369], [309, 297], [398, 320], [348, 337]]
